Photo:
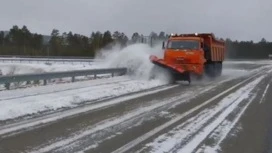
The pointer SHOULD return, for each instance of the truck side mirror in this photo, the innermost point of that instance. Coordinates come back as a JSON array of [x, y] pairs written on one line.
[[163, 47]]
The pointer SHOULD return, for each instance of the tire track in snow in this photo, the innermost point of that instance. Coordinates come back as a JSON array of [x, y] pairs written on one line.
[[121, 122], [25, 125], [128, 118], [265, 91], [191, 133], [221, 132], [148, 135], [172, 103], [199, 138]]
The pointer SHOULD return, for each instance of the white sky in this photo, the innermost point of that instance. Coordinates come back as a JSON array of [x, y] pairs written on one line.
[[235, 19]]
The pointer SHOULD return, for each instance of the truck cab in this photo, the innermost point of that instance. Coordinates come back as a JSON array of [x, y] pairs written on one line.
[[191, 54], [187, 52]]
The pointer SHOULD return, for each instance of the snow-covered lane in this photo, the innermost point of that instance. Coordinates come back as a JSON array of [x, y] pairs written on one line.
[[187, 136], [50, 98], [119, 123], [31, 123], [222, 131]]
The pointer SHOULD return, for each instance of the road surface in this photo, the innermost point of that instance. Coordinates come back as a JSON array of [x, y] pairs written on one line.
[[228, 115]]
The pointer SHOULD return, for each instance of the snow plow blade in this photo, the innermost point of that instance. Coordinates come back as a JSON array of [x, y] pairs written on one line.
[[160, 62]]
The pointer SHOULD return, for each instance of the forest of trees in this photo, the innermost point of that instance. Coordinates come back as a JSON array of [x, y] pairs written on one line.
[[20, 41]]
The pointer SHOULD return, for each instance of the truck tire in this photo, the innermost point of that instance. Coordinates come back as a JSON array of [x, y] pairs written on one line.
[[189, 78], [214, 70], [210, 70], [218, 69]]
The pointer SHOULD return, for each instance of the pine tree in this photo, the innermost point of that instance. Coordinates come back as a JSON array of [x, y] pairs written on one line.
[[55, 43], [107, 38]]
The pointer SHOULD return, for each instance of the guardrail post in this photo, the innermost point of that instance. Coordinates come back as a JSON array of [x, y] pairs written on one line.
[[73, 78]]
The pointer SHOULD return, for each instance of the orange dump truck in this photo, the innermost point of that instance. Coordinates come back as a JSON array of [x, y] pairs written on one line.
[[192, 54]]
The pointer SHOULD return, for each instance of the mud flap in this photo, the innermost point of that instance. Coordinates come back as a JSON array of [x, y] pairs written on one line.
[[161, 63]]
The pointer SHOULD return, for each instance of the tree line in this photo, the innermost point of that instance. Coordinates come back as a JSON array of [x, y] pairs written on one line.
[[248, 49], [20, 41]]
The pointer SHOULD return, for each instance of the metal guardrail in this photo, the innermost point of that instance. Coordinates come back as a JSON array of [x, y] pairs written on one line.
[[53, 75]]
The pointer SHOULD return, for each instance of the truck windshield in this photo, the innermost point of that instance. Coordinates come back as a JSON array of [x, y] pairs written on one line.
[[182, 44]]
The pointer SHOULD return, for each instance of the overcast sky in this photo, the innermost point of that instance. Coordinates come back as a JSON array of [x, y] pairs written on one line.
[[235, 19]]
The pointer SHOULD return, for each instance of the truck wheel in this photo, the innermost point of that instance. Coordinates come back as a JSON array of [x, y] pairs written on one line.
[[218, 69], [189, 78], [210, 70]]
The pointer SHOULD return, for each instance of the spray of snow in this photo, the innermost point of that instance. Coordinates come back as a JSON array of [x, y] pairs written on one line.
[[135, 58]]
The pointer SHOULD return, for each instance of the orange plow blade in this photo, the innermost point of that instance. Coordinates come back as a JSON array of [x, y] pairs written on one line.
[[160, 62]]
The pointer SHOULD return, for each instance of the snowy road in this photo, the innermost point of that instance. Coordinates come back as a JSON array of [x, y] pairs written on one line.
[[127, 115], [22, 102]]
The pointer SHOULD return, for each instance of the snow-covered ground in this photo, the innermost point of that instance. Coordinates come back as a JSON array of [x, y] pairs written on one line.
[[16, 103]]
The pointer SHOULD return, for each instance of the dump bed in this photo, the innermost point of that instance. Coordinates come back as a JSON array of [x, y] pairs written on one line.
[[214, 49]]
